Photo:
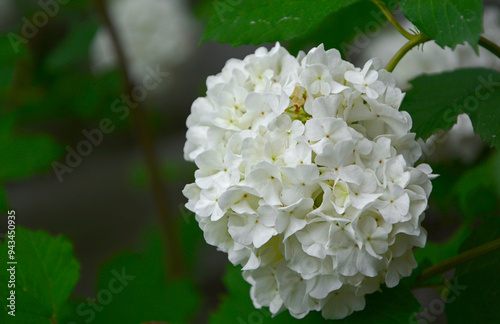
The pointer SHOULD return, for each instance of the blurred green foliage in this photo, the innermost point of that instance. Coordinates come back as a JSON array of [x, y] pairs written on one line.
[[47, 87], [45, 274], [438, 252], [479, 295], [133, 287], [150, 295], [24, 155], [478, 190]]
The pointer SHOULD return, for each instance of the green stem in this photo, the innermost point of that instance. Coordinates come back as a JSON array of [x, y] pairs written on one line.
[[392, 19], [490, 46], [415, 41], [459, 260]]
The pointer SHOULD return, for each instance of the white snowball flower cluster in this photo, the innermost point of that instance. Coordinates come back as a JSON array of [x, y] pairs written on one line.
[[152, 32], [306, 178]]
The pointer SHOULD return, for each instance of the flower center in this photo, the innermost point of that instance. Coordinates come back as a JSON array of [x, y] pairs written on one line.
[[298, 99]]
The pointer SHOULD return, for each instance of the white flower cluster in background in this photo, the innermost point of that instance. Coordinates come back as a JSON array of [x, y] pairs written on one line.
[[306, 178], [152, 32], [460, 142], [431, 58]]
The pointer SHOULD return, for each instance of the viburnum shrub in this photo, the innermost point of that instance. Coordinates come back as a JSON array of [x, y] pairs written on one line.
[[308, 166], [306, 178], [311, 170]]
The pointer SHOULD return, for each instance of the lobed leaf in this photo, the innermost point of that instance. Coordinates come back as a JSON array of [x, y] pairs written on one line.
[[240, 22], [435, 101], [46, 272], [448, 22]]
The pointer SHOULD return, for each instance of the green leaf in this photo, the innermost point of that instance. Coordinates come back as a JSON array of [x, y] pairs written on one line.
[[448, 22], [475, 295], [477, 190], [395, 305], [11, 51], [86, 95], [24, 155], [133, 288], [6, 77], [359, 22], [258, 21], [435, 101], [71, 94], [77, 5], [46, 272], [191, 238], [74, 48]]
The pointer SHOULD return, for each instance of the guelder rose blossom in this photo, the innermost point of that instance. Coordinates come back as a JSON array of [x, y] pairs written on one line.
[[306, 178]]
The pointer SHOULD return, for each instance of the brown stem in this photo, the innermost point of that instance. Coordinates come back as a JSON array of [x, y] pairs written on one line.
[[457, 260], [174, 258], [490, 46]]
